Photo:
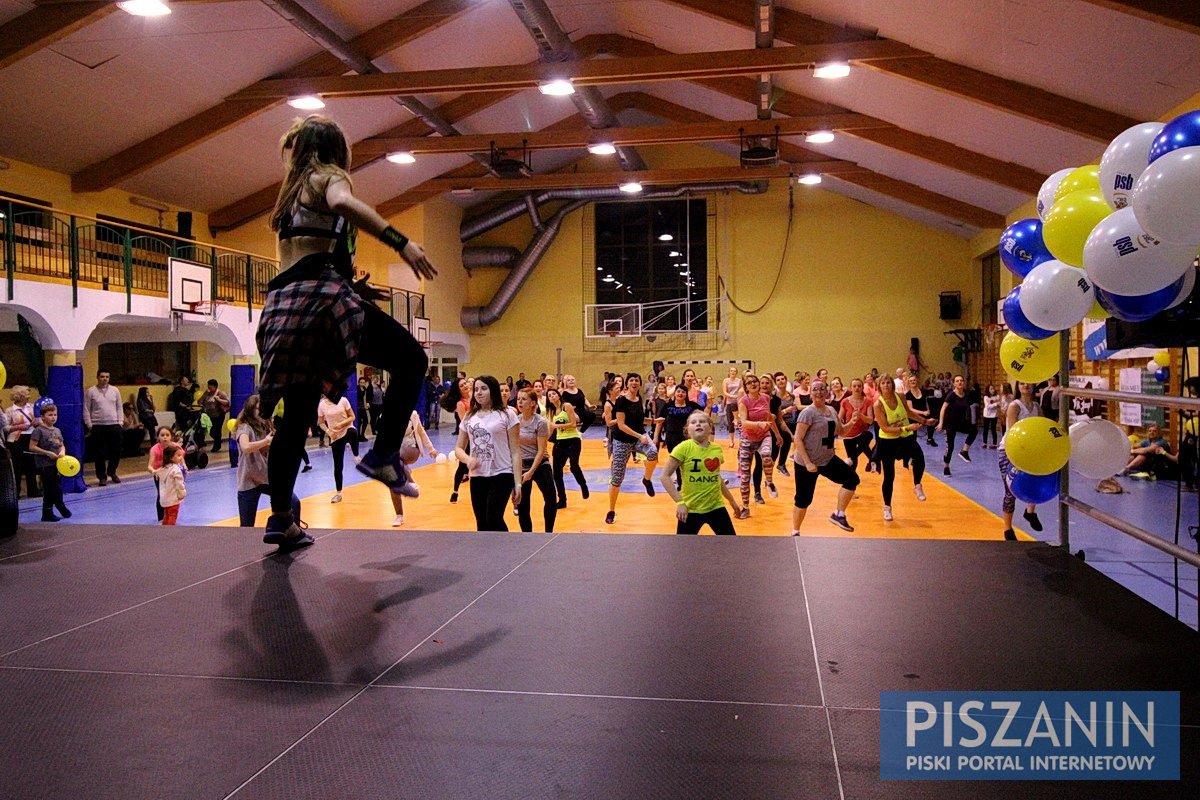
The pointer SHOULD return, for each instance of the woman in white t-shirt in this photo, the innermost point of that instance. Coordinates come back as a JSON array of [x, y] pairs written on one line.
[[491, 429], [336, 421], [416, 441]]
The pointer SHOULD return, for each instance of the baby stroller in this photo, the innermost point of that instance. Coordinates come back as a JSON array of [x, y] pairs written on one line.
[[195, 456]]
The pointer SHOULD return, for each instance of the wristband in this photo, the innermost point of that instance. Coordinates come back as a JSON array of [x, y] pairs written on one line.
[[394, 239]]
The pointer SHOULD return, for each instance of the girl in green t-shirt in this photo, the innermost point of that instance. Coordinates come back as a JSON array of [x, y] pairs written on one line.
[[699, 459]]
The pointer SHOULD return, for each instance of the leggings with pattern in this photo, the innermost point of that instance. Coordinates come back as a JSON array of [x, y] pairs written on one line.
[[621, 451], [745, 457]]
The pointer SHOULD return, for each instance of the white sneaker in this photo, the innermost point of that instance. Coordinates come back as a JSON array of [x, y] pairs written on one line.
[[919, 492], [398, 521], [887, 513], [337, 498]]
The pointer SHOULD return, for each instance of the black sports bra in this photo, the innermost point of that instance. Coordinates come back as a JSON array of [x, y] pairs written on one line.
[[304, 221]]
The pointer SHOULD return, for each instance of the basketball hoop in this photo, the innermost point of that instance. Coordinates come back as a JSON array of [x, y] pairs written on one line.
[[211, 311], [611, 334], [428, 345], [991, 333]]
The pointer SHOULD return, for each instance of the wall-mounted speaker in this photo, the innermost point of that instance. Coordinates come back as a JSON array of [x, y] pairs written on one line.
[[950, 305]]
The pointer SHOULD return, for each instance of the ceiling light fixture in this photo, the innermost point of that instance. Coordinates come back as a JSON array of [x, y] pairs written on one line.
[[810, 179], [308, 102], [556, 88], [674, 254], [837, 69], [631, 187], [819, 137], [666, 237], [609, 279], [145, 8], [401, 157], [602, 149]]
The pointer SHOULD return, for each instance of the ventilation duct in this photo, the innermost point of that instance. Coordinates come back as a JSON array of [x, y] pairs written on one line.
[[473, 257], [483, 223], [481, 316]]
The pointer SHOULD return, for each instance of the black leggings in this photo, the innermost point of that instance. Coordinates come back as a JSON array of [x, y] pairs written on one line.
[[489, 500], [386, 345], [856, 446], [970, 430], [460, 474], [989, 426], [544, 479], [785, 442], [567, 450], [339, 454], [717, 519], [905, 448]]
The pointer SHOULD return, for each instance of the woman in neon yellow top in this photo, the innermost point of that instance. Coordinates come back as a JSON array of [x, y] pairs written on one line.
[[895, 441], [567, 444], [701, 501]]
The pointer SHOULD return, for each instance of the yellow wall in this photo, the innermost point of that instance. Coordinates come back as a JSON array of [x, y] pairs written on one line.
[[857, 283]]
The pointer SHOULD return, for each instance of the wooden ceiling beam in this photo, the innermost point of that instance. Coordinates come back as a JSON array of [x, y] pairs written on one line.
[[200, 127], [975, 85], [1182, 15], [650, 177], [44, 25], [676, 66], [936, 151], [955, 210], [923, 198], [646, 135]]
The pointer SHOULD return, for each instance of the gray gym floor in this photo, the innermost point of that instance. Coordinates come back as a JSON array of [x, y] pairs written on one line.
[[143, 662]]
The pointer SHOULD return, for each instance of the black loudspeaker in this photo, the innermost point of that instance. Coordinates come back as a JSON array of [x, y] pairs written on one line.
[[950, 304], [1175, 327], [184, 224]]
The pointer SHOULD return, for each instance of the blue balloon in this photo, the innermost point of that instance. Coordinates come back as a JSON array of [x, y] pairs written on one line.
[[41, 402], [1022, 248], [1016, 320], [1162, 374], [1183, 131], [1136, 308], [447, 385], [1033, 488]]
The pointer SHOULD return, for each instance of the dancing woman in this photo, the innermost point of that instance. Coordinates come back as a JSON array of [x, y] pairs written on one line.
[[1023, 407], [317, 322], [699, 501], [336, 420], [856, 414], [534, 431], [629, 437], [955, 419], [490, 428], [896, 440], [567, 444]]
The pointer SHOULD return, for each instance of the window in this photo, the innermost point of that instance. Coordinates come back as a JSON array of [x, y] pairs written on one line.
[[146, 362], [15, 356], [653, 251], [991, 287]]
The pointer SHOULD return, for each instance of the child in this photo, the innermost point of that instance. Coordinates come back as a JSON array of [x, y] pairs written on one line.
[[171, 490], [700, 502], [46, 444], [154, 462]]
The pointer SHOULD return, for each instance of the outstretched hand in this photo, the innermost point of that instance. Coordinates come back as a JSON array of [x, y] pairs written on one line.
[[368, 292], [414, 254]]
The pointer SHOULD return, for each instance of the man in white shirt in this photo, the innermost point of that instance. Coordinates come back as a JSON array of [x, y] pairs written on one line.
[[102, 417]]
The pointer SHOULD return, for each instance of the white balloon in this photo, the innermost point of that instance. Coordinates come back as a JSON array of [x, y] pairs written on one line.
[[1166, 197], [452, 457], [1120, 257], [1045, 198], [1185, 291], [1055, 296], [441, 458], [1153, 366], [1099, 449], [1124, 161]]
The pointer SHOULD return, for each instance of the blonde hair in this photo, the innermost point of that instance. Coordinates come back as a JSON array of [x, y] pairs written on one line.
[[702, 415], [313, 146]]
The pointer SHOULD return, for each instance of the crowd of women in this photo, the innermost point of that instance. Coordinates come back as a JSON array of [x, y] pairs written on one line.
[[505, 430]]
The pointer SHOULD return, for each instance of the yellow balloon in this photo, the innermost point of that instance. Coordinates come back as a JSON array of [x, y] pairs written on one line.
[[1027, 360], [1080, 179], [1037, 445], [231, 424], [1134, 440], [1190, 427], [3, 375], [1098, 311], [68, 466], [1163, 358], [1069, 221]]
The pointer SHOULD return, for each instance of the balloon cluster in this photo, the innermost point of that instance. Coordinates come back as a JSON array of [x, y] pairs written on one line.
[[1116, 238]]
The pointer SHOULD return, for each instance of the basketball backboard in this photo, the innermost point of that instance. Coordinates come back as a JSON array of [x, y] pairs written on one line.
[[190, 284]]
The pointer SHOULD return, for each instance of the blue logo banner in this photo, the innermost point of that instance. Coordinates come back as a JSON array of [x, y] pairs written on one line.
[[1026, 736]]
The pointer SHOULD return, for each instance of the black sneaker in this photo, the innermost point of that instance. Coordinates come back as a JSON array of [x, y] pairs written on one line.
[[1032, 518], [454, 497], [49, 517], [296, 542], [758, 498], [783, 470], [610, 518], [281, 528], [744, 514], [649, 484], [583, 490], [1010, 535], [391, 472], [63, 511], [964, 455], [946, 470], [841, 521], [306, 468]]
